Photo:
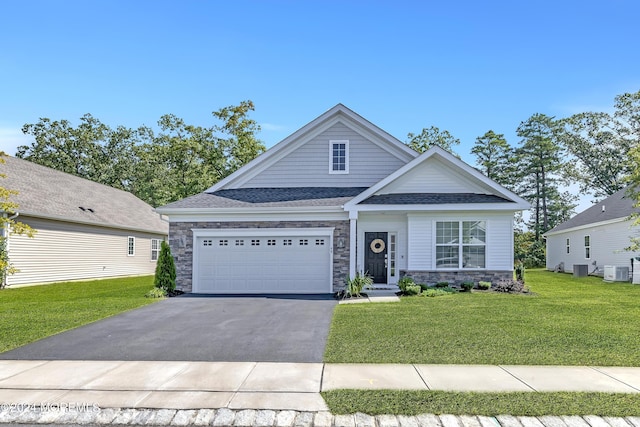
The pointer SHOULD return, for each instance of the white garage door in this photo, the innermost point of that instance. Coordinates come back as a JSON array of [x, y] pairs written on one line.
[[262, 261]]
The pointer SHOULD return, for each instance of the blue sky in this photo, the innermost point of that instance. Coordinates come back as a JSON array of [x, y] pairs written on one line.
[[463, 66]]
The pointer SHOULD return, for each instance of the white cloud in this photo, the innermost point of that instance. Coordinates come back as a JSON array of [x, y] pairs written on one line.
[[270, 127]]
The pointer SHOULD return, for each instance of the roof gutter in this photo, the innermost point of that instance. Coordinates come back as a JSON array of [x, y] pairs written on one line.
[[94, 223]]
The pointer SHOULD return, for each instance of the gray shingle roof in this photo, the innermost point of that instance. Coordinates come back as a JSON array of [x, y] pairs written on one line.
[[46, 192], [432, 199], [270, 197], [616, 206]]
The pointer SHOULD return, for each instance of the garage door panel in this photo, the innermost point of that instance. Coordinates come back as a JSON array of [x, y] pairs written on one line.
[[263, 264]]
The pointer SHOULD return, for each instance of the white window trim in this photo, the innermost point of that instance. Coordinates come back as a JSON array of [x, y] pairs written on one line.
[[346, 156], [129, 240], [460, 245], [157, 250], [587, 247]]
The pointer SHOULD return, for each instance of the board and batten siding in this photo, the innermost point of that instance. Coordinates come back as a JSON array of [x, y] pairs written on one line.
[[607, 243], [433, 176], [499, 238], [308, 165], [62, 251]]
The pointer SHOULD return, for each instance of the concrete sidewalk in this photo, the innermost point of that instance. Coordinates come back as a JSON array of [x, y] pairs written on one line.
[[275, 386]]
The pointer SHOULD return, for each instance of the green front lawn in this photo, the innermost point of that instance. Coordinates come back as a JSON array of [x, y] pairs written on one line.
[[565, 321], [31, 313]]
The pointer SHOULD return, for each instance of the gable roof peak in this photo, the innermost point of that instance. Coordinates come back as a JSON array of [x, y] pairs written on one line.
[[300, 136]]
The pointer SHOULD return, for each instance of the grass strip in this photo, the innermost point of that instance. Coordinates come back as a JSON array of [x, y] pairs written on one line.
[[401, 402], [30, 313]]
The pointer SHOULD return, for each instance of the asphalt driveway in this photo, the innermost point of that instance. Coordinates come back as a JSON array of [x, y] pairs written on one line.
[[269, 328]]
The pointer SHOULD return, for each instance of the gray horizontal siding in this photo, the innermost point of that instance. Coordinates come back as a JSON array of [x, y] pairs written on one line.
[[63, 251], [434, 176], [308, 166]]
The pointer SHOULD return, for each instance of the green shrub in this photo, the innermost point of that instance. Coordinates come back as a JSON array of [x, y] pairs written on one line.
[[484, 285], [424, 286], [436, 292], [467, 286], [520, 272], [404, 282], [165, 270], [354, 286], [412, 290], [442, 284], [156, 293], [509, 286]]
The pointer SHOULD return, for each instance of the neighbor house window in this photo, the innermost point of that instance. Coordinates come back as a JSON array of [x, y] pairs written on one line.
[[155, 249], [131, 246], [339, 156], [461, 244], [568, 246], [587, 247]]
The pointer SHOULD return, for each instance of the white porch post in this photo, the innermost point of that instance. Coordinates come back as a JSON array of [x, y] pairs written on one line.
[[353, 236]]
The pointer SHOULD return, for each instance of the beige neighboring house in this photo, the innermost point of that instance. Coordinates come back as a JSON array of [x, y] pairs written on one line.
[[85, 230]]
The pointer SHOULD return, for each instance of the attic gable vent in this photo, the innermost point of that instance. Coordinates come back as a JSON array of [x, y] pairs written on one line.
[[604, 208]]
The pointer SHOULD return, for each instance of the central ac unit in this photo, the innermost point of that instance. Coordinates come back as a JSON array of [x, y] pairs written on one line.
[[614, 273]]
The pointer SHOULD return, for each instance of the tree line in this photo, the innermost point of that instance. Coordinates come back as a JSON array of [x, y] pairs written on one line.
[[159, 166], [598, 151]]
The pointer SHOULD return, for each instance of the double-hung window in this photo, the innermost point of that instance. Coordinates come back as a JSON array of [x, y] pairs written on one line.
[[461, 244], [339, 156], [587, 247], [155, 249]]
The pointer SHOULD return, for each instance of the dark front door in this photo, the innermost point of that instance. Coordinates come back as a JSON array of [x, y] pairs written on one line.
[[375, 256]]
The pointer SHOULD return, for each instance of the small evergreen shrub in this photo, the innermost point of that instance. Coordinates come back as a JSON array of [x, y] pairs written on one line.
[[404, 282], [424, 286], [156, 293], [467, 286], [484, 285], [436, 292], [165, 270], [442, 284], [412, 290]]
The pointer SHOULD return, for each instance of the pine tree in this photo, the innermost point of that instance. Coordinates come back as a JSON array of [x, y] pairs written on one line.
[[165, 269]]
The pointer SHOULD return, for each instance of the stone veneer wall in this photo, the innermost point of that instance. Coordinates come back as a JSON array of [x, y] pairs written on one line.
[[181, 242], [457, 277]]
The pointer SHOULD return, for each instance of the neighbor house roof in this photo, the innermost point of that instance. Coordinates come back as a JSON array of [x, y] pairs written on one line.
[[616, 206], [268, 197], [47, 193]]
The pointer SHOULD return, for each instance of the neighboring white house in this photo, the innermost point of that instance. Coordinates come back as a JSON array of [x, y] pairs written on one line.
[[85, 230], [341, 196], [595, 237]]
